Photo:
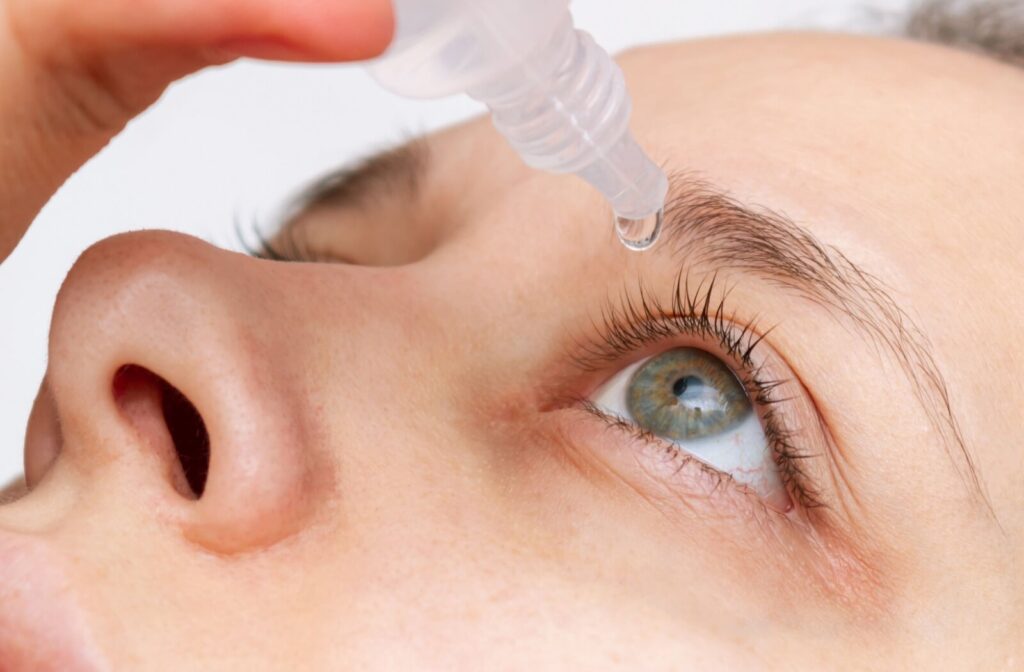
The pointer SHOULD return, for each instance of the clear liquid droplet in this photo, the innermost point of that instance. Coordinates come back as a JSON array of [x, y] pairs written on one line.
[[639, 234]]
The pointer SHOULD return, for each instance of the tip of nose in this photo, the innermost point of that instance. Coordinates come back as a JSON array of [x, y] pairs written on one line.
[[41, 626]]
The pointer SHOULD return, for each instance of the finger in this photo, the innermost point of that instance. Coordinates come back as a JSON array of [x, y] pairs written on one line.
[[73, 73]]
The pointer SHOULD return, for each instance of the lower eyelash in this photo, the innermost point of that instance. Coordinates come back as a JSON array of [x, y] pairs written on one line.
[[717, 481], [638, 323], [642, 434]]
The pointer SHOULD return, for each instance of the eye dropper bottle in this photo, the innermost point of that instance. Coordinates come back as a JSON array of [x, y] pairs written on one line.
[[555, 94]]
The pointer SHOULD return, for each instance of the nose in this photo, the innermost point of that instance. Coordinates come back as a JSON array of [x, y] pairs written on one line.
[[162, 366], [41, 627]]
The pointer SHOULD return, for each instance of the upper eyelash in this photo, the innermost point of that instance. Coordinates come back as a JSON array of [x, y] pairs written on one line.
[[635, 323], [283, 245]]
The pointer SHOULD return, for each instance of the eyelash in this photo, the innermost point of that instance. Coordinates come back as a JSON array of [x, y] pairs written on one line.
[[287, 248], [636, 323]]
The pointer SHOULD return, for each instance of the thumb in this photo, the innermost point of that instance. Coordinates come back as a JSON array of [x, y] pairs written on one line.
[[73, 73]]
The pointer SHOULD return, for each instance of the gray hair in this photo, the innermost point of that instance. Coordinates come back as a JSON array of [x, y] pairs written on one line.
[[991, 27]]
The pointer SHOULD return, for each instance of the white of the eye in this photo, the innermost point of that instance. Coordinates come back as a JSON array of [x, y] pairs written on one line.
[[611, 397], [742, 452]]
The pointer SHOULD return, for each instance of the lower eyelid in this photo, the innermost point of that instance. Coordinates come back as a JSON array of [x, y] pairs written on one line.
[[660, 471], [688, 493]]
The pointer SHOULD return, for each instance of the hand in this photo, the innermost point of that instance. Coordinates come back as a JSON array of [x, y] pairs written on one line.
[[74, 72]]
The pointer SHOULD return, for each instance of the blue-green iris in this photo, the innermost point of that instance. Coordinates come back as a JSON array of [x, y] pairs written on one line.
[[686, 394]]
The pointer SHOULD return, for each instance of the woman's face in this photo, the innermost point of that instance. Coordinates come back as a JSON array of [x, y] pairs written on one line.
[[467, 440]]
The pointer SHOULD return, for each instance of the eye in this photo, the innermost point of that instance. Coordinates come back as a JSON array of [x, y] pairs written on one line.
[[693, 400]]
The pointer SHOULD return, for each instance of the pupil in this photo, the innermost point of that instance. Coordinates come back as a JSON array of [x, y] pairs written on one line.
[[680, 386]]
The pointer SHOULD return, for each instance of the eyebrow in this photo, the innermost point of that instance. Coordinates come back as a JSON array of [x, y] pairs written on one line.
[[703, 225]]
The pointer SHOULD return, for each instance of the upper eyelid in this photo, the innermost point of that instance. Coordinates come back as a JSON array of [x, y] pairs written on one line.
[[698, 308]]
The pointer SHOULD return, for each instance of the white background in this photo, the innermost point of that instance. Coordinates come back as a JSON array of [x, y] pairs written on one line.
[[234, 143]]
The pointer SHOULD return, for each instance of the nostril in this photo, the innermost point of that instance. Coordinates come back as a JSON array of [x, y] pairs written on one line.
[[138, 392], [188, 431]]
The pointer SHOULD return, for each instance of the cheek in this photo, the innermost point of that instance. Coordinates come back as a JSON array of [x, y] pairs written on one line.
[[542, 572], [677, 534], [583, 503], [507, 607]]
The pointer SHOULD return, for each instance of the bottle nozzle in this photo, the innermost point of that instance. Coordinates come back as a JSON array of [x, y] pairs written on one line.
[[636, 189], [554, 93]]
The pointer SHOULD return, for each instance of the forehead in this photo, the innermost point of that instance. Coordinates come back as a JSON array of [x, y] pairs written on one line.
[[828, 127], [902, 134], [882, 147], [907, 156]]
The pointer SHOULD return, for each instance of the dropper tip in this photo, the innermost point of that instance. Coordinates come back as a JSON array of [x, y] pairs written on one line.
[[639, 235]]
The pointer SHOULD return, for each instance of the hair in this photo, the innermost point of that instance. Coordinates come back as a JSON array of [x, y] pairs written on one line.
[[991, 27]]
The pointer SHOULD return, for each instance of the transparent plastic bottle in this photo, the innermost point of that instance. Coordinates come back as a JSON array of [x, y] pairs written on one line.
[[556, 96]]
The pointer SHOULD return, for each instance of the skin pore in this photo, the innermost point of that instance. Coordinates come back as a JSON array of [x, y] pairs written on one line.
[[403, 474]]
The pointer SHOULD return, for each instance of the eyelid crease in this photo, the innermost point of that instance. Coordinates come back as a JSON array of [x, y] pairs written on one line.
[[705, 226]]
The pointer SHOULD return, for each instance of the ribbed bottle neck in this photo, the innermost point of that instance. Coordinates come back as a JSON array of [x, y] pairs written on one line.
[[564, 105]]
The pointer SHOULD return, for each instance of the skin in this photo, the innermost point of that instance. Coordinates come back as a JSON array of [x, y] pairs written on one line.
[[400, 480]]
